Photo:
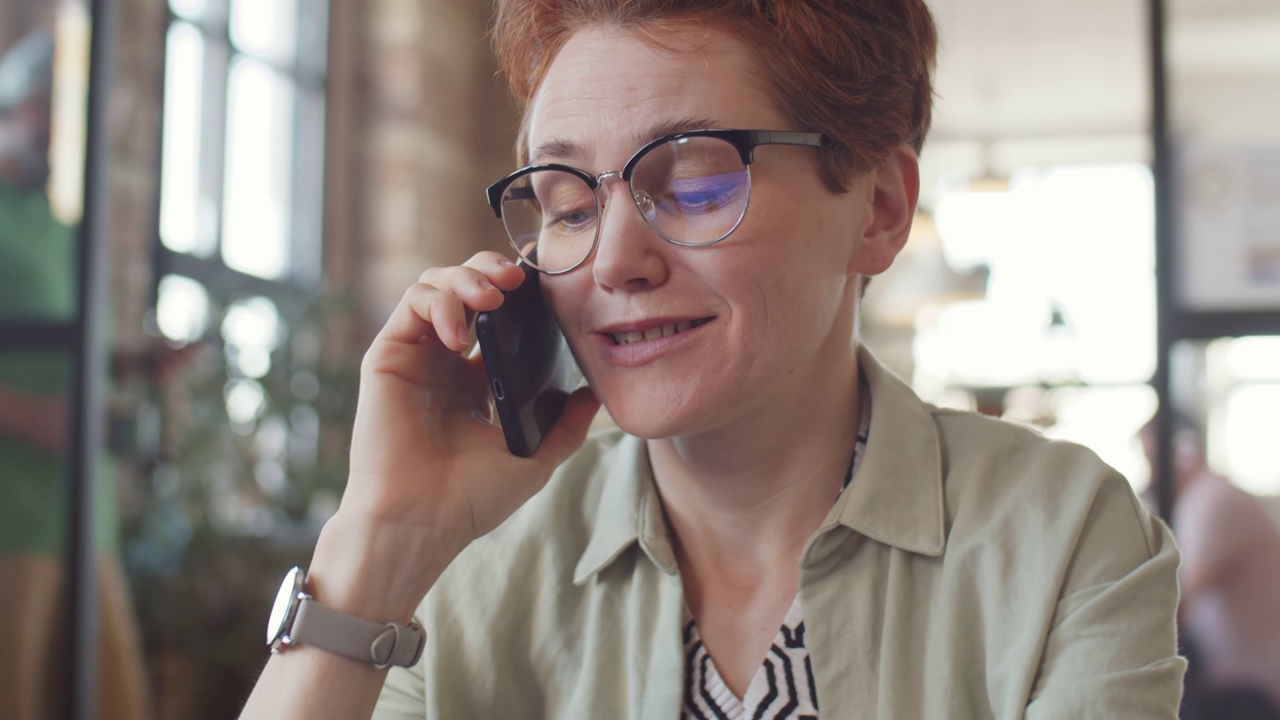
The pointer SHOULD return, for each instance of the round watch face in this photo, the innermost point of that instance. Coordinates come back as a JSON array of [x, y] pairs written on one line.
[[285, 599]]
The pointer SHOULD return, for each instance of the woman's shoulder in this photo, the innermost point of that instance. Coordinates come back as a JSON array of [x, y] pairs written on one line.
[[990, 470], [999, 474], [547, 536], [994, 455]]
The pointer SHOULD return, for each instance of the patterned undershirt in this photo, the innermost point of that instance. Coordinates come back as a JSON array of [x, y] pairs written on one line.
[[783, 688]]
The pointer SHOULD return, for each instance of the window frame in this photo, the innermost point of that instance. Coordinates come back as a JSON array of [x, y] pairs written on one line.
[[307, 72]]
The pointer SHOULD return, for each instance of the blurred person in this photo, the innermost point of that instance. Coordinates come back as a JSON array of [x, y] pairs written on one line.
[[1229, 610], [38, 284], [779, 527]]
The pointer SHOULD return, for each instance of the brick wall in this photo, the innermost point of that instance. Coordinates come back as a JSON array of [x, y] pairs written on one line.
[[433, 126], [134, 116]]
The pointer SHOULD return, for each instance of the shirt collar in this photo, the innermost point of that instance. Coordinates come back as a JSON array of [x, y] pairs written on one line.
[[630, 511], [896, 498]]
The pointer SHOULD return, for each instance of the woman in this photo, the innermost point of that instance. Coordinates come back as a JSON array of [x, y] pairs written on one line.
[[768, 473]]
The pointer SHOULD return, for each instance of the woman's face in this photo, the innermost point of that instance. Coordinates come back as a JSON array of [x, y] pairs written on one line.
[[771, 306]]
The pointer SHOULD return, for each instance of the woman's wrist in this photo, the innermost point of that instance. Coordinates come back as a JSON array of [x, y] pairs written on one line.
[[376, 570]]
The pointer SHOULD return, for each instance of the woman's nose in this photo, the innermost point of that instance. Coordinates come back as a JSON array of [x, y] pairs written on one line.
[[629, 254]]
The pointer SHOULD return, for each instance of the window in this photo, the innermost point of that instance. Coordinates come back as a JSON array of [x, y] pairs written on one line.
[[1242, 382], [1065, 332], [240, 223], [242, 159], [239, 258], [237, 477]]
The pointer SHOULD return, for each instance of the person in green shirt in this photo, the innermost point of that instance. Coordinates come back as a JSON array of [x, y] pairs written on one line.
[[38, 285], [779, 528]]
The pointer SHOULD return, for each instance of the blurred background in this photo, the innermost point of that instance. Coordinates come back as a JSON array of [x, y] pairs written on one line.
[[208, 207]]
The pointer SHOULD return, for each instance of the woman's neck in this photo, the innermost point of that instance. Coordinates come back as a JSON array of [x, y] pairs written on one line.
[[746, 498]]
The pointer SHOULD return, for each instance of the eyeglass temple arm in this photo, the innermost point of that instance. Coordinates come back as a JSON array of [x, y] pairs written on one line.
[[757, 138], [494, 195], [788, 137]]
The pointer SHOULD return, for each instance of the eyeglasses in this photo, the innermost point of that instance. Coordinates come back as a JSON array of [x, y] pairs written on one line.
[[692, 188]]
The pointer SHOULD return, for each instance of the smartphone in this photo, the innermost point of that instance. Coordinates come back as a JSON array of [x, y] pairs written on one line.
[[531, 371]]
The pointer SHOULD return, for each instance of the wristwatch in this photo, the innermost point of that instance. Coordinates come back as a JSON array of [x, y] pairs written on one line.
[[296, 618]]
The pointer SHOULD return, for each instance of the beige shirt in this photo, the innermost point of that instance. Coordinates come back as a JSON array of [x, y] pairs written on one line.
[[974, 569]]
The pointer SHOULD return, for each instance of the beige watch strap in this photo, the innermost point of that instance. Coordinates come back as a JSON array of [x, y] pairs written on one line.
[[383, 645]]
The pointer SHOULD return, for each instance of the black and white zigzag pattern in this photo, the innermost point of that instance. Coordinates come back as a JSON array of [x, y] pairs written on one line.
[[782, 688]]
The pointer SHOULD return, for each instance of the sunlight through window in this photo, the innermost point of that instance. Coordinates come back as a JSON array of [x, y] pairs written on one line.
[[185, 216], [182, 311], [267, 28], [258, 190]]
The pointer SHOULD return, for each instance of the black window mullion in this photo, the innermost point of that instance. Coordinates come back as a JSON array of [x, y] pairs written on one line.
[[309, 146], [295, 74], [225, 285], [313, 42], [213, 133], [308, 188]]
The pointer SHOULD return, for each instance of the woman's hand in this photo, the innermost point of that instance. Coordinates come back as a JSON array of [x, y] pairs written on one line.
[[429, 473]]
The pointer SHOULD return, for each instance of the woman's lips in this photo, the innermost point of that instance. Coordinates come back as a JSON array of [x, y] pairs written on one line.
[[629, 337], [637, 344]]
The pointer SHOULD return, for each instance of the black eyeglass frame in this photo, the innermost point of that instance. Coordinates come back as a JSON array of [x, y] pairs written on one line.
[[744, 141]]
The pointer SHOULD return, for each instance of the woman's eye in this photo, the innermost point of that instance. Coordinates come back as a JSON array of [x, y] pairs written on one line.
[[570, 219], [701, 202], [704, 195]]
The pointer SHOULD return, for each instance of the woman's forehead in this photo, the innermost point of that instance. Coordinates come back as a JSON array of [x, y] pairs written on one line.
[[622, 87]]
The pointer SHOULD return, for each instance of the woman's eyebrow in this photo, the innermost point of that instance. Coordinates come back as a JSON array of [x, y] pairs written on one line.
[[671, 127], [555, 150], [561, 149]]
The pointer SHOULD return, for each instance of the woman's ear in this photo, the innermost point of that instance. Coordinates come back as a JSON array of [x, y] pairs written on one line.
[[895, 189]]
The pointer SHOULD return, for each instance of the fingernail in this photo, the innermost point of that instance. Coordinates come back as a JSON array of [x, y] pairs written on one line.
[[484, 283], [462, 332], [505, 262]]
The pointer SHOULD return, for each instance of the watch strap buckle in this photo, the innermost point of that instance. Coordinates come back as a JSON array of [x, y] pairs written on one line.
[[398, 645], [383, 644]]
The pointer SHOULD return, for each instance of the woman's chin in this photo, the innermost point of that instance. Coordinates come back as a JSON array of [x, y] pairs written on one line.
[[650, 419], [647, 427]]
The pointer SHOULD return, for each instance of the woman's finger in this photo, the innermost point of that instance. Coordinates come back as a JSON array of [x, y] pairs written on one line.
[[500, 270], [570, 431], [481, 277], [426, 311]]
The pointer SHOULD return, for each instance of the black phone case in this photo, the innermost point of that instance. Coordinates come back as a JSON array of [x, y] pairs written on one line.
[[531, 371]]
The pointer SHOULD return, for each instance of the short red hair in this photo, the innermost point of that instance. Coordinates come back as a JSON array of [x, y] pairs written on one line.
[[859, 71]]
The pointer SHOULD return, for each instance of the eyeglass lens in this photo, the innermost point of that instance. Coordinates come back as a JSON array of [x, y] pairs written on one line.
[[691, 191]]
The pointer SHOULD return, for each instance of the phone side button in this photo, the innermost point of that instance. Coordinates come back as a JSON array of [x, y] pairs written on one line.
[[498, 391]]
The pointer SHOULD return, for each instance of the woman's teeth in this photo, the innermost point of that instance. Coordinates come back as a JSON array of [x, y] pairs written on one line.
[[652, 333]]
